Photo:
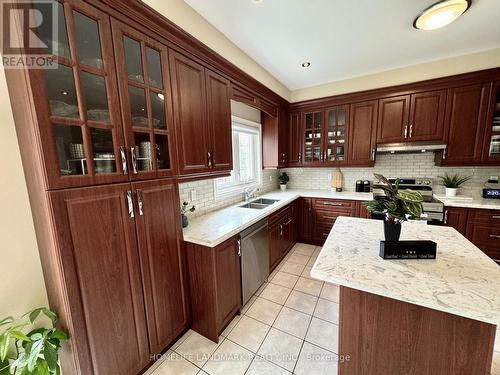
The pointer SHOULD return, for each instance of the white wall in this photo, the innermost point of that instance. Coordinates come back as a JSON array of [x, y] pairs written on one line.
[[21, 281]]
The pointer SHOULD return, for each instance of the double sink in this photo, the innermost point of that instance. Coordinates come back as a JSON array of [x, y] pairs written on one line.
[[259, 204]]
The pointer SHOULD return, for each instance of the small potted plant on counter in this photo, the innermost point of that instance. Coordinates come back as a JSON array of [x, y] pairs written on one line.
[[29, 348], [452, 183], [396, 206], [184, 211], [283, 177]]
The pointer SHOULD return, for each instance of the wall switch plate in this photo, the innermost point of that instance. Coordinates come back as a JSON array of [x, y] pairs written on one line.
[[493, 180], [271, 178], [192, 193]]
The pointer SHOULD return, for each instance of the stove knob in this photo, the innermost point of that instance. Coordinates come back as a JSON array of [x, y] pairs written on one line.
[[427, 182], [419, 182]]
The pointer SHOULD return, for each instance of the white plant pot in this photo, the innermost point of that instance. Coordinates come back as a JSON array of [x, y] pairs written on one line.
[[451, 192], [283, 187]]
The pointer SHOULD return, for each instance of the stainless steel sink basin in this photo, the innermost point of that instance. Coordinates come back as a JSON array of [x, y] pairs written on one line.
[[259, 204]]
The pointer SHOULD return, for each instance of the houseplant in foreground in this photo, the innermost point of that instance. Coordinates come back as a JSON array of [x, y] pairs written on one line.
[[452, 183], [184, 211], [396, 206], [283, 177], [27, 347]]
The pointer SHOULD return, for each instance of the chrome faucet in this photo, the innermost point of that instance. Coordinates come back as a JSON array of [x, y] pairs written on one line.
[[250, 193]]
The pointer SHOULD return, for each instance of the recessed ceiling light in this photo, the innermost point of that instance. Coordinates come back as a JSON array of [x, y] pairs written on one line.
[[258, 1], [441, 14], [306, 64]]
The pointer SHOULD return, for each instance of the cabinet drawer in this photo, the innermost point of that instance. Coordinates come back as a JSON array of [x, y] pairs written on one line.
[[333, 204], [328, 217], [491, 217], [482, 234], [322, 231], [281, 215]]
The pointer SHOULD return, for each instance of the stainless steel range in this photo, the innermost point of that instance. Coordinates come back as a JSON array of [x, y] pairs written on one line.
[[432, 208]]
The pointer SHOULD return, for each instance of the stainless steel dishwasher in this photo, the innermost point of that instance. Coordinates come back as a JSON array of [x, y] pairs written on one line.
[[254, 258]]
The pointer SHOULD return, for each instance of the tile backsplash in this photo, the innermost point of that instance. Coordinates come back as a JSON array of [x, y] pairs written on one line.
[[206, 201], [401, 165]]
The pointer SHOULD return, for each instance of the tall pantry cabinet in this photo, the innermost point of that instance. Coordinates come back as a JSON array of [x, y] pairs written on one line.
[[96, 137]]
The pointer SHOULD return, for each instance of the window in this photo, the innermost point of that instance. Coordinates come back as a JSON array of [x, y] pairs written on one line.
[[246, 171]]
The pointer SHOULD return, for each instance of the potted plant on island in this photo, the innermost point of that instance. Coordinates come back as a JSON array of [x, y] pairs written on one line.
[[283, 177], [184, 211], [396, 206], [452, 183], [27, 348]]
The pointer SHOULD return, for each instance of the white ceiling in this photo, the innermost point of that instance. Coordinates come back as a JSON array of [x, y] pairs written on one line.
[[345, 38]]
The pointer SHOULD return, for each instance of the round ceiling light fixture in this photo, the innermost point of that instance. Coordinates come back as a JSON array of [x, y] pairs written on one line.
[[441, 14], [306, 64]]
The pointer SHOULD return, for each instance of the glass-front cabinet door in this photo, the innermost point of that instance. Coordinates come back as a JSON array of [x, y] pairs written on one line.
[[491, 149], [335, 137], [142, 65], [83, 137], [313, 129]]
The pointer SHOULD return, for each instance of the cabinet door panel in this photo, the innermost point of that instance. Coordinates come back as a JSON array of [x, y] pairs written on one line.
[[456, 217], [188, 90], [305, 218], [427, 116], [219, 122], [159, 233], [465, 121], [313, 142], [336, 125], [228, 280], [491, 146], [274, 245], [98, 249], [362, 133], [393, 119], [295, 139]]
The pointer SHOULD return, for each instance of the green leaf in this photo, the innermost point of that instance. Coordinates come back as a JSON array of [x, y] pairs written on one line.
[[36, 336], [42, 367], [4, 345], [6, 320], [4, 367], [50, 355], [58, 334], [34, 314], [36, 348], [19, 335]]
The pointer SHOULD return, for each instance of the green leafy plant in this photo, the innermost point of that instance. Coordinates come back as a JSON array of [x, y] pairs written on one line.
[[29, 350], [283, 177], [185, 208], [396, 205], [453, 181]]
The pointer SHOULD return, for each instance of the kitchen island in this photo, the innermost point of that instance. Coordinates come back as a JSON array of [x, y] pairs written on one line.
[[414, 316]]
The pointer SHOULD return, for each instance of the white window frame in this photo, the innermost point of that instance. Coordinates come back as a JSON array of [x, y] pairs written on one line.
[[224, 190]]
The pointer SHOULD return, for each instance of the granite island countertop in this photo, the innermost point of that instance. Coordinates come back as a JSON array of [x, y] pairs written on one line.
[[462, 280], [469, 202], [215, 227]]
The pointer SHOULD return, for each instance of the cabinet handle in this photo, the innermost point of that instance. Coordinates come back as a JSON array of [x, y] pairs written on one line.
[[406, 131], [134, 160], [239, 247], [325, 234], [446, 217], [444, 154], [332, 204], [130, 202], [288, 222], [373, 154], [411, 130], [139, 202], [494, 236], [281, 230], [495, 217], [329, 217], [300, 157], [124, 160], [209, 158]]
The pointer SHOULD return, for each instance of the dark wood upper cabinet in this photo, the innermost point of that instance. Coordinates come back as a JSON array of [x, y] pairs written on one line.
[[142, 67], [427, 112], [192, 132], [99, 255], [312, 137], [362, 133], [393, 119], [274, 139], [456, 217], [78, 113], [465, 120], [159, 238], [219, 121], [294, 139], [335, 135], [202, 118], [491, 146]]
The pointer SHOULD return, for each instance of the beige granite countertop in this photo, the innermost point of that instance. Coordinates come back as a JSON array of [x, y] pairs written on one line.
[[217, 226], [461, 281], [469, 202]]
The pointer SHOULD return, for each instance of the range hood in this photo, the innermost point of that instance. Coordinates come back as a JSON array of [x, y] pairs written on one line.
[[409, 147]]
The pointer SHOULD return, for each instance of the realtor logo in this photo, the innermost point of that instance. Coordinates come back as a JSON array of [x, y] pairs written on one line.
[[29, 31]]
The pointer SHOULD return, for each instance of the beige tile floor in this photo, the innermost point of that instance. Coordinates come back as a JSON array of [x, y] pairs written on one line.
[[289, 327]]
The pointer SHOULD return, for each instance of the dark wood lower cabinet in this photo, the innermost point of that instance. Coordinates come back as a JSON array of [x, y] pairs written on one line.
[[159, 233], [99, 255], [456, 217], [304, 219], [215, 284], [282, 233]]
